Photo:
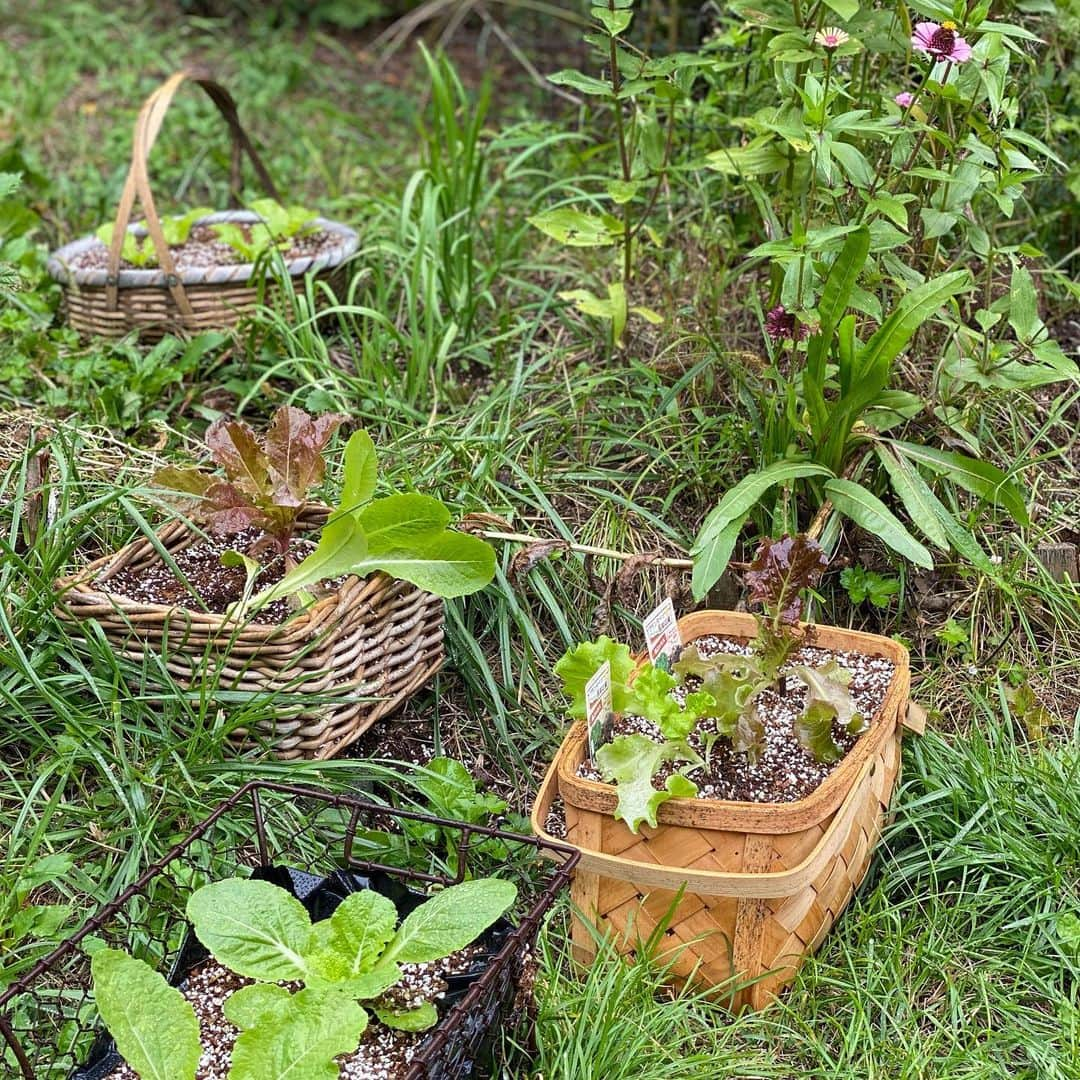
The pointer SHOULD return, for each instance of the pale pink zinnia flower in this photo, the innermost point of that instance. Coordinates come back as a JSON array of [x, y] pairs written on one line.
[[941, 42], [904, 100], [832, 37]]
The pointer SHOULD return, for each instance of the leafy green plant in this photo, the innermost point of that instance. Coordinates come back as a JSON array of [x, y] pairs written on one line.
[[445, 788], [138, 247], [268, 479], [862, 584], [832, 428], [268, 482], [27, 928], [278, 227], [643, 96], [261, 932], [725, 703]]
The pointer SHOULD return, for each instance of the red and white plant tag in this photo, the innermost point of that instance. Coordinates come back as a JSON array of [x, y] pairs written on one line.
[[598, 707], [662, 632]]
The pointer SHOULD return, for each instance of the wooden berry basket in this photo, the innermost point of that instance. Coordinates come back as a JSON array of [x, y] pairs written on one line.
[[113, 302], [348, 660], [763, 883]]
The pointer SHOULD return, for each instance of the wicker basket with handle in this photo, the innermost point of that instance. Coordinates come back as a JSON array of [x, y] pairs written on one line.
[[764, 882], [348, 660], [112, 302]]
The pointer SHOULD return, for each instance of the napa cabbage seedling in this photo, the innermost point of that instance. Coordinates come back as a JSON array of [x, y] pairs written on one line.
[[258, 930], [139, 249]]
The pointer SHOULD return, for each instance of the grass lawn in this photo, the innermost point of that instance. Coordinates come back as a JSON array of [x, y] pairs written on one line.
[[481, 383]]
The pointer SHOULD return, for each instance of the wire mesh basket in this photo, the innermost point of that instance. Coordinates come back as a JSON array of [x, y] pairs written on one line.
[[49, 1028]]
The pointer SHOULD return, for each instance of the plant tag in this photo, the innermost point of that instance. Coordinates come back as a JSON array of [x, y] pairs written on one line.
[[598, 705], [662, 632]]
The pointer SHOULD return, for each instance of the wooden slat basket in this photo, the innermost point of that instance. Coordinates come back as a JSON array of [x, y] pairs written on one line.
[[763, 883], [112, 302], [342, 664]]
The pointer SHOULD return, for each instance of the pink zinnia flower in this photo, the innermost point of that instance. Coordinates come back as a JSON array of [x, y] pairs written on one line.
[[941, 42], [904, 100], [780, 324], [832, 37]]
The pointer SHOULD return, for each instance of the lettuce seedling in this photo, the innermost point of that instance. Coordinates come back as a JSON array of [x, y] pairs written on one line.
[[278, 226], [258, 930], [267, 480], [136, 250]]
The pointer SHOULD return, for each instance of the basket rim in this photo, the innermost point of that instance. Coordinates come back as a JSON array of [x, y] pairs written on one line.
[[60, 270], [81, 584], [731, 814]]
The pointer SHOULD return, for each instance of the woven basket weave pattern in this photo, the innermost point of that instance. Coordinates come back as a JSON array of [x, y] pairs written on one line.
[[154, 302], [376, 638], [763, 884]]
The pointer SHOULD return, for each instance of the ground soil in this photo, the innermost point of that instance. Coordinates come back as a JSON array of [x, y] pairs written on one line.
[[785, 771]]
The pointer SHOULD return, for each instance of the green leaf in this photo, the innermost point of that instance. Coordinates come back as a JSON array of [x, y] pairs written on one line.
[[915, 494], [829, 684], [584, 84], [450, 920], [189, 481], [652, 699], [402, 521], [374, 983], [622, 191], [575, 228], [254, 928], [258, 1003], [711, 554], [912, 311], [359, 930], [630, 762], [745, 494], [578, 665], [302, 1042], [452, 564], [615, 22], [762, 156], [979, 477], [154, 1026], [716, 540], [846, 9], [342, 546], [360, 471], [867, 510], [419, 1019], [813, 729]]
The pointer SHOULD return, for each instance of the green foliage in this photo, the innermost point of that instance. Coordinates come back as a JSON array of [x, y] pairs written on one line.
[[862, 584], [631, 762], [268, 480], [578, 665], [259, 930], [154, 1026], [28, 929], [403, 535], [278, 228]]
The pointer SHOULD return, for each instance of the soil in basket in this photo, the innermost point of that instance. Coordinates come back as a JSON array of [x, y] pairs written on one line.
[[203, 248], [383, 1053], [216, 586], [785, 772]]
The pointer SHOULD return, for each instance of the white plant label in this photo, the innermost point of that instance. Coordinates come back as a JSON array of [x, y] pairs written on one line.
[[598, 705], [662, 632]]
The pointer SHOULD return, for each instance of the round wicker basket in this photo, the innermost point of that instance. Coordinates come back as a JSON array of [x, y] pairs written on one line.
[[337, 667], [112, 302], [763, 883]]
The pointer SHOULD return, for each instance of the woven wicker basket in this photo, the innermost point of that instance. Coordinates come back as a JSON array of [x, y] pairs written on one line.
[[347, 661], [112, 302], [764, 882]]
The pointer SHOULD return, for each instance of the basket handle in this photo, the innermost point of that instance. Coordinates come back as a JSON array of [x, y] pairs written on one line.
[[137, 184], [767, 884]]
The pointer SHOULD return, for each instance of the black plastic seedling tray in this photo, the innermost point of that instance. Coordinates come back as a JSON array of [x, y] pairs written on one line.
[[48, 1026]]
